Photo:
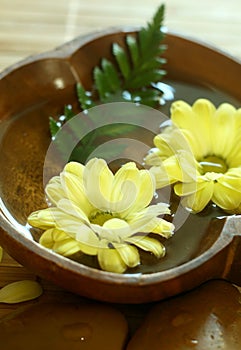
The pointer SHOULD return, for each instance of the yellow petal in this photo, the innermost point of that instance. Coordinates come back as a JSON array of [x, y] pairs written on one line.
[[204, 111], [128, 253], [59, 242], [162, 178], [198, 201], [115, 223], [125, 188], [184, 189], [69, 224], [233, 159], [98, 183], [179, 167], [182, 114], [49, 237], [43, 219], [75, 168], [223, 130], [149, 244], [170, 141], [63, 244], [187, 118], [160, 226], [70, 220], [75, 191], [163, 142], [69, 207], [140, 221], [236, 210], [234, 172], [232, 180], [153, 158], [110, 260], [54, 190], [66, 248], [74, 228], [173, 169], [20, 291], [226, 197], [145, 192], [70, 247], [114, 230], [196, 145]]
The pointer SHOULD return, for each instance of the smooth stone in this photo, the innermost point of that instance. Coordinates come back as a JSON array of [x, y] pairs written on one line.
[[64, 327], [208, 317]]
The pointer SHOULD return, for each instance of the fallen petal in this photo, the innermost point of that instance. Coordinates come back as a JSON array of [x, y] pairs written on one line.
[[20, 291]]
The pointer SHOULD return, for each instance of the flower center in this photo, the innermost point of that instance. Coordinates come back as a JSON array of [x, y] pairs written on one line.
[[213, 164], [100, 217]]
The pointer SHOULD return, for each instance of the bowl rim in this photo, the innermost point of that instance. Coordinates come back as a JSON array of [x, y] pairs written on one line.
[[67, 49], [223, 240]]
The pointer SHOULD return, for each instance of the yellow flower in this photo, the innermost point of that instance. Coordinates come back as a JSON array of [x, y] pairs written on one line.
[[103, 214], [212, 170]]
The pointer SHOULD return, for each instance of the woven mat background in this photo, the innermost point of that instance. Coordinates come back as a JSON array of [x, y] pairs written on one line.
[[28, 26]]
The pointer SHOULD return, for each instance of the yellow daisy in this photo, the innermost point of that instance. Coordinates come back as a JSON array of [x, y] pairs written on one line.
[[212, 170], [104, 214]]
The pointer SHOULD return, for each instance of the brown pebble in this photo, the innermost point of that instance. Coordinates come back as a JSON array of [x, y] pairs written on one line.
[[77, 332], [207, 318], [64, 327]]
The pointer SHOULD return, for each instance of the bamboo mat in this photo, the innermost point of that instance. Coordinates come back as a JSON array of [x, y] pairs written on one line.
[[30, 27]]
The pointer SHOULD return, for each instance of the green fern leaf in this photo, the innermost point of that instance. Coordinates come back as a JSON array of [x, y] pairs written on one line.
[[137, 65], [111, 75], [101, 84], [54, 126], [84, 97], [122, 60], [133, 49], [143, 80], [68, 112]]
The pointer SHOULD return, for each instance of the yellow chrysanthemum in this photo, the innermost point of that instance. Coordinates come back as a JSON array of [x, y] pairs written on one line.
[[104, 214], [212, 170]]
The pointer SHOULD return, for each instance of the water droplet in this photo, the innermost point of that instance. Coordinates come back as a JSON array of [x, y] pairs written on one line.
[[213, 164], [167, 90], [190, 342], [77, 332]]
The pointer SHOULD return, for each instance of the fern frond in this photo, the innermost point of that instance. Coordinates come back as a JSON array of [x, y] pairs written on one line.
[[84, 97], [136, 66], [122, 60], [54, 126]]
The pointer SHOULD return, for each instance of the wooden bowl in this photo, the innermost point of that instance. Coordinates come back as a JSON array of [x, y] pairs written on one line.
[[40, 86]]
